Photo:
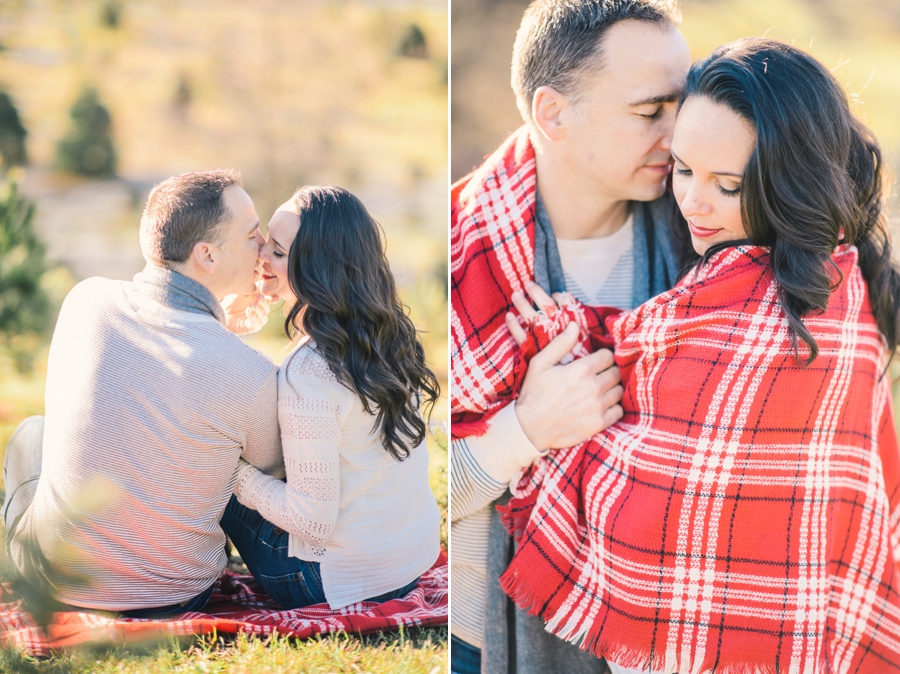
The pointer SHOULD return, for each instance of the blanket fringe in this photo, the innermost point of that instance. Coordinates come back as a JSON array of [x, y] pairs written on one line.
[[465, 429], [515, 514]]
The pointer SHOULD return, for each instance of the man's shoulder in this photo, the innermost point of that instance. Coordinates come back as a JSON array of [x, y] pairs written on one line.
[[488, 180], [94, 288]]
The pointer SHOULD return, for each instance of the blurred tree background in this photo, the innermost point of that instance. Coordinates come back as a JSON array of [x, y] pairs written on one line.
[[101, 99]]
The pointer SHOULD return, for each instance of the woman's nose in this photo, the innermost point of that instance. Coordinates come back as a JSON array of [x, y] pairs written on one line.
[[694, 202]]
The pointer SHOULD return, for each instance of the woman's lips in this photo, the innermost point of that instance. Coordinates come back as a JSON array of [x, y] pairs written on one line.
[[702, 232]]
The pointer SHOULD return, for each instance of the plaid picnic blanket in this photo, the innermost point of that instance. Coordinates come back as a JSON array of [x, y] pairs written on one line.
[[236, 605], [744, 516]]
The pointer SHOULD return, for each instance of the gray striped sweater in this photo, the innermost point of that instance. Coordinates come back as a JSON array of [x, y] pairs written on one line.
[[150, 404]]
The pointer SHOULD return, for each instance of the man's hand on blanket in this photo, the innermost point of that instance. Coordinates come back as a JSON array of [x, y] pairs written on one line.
[[562, 405]]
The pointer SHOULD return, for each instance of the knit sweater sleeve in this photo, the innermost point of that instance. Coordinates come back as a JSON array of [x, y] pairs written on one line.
[[312, 406]]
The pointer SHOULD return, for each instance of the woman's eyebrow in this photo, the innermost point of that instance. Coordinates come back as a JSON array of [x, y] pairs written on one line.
[[276, 243], [715, 173]]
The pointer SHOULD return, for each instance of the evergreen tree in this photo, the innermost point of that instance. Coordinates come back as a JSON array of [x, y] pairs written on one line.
[[12, 134], [413, 44], [88, 149], [24, 304]]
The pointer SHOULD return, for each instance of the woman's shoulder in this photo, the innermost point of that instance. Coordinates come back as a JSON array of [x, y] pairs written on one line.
[[306, 361], [305, 372]]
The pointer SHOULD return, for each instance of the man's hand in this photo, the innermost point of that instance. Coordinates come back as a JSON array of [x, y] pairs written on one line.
[[562, 405], [246, 313]]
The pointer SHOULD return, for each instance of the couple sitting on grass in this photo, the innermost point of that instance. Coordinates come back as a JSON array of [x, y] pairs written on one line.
[[164, 431]]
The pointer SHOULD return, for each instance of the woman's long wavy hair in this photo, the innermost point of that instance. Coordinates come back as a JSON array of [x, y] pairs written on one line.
[[347, 302], [814, 179]]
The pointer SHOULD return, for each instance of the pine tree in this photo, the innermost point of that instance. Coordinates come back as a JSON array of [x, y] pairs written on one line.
[[24, 304], [12, 134], [413, 44], [88, 149]]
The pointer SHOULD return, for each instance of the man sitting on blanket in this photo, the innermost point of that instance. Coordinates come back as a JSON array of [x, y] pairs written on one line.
[[113, 499], [574, 199]]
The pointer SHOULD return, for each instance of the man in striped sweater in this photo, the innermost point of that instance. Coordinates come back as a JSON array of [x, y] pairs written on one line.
[[114, 497], [597, 84]]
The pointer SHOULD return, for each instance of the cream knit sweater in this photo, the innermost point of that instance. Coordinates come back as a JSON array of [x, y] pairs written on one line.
[[370, 521]]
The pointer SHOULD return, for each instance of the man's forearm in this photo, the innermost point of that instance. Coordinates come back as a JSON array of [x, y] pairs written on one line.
[[483, 466]]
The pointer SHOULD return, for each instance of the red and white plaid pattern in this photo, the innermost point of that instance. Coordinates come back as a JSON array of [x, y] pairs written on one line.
[[236, 605], [492, 254], [743, 516]]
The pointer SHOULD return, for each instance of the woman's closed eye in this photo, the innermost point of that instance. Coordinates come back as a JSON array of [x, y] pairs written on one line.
[[730, 193]]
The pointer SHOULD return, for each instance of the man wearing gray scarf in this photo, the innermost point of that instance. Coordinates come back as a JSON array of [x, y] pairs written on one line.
[[114, 497]]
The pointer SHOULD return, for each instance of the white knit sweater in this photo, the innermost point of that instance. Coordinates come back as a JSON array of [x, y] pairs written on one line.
[[370, 521]]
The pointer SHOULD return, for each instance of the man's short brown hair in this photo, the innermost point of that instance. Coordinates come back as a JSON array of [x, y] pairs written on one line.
[[183, 211], [559, 41]]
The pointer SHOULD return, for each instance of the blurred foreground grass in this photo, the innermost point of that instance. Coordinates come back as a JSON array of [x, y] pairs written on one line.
[[418, 651]]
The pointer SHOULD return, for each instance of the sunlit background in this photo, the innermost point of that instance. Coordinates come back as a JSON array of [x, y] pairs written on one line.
[[286, 92]]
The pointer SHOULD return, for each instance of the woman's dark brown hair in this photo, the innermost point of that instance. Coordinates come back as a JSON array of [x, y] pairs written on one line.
[[348, 303], [814, 179]]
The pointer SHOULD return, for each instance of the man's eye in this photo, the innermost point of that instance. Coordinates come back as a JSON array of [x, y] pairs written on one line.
[[652, 115]]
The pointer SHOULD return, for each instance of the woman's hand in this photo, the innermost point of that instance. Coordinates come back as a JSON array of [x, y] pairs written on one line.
[[245, 314], [563, 405], [548, 305]]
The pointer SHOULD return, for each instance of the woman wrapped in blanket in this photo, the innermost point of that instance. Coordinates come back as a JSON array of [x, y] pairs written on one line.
[[744, 515], [355, 519]]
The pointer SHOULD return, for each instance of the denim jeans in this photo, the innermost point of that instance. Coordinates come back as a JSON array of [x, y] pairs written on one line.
[[291, 582], [160, 612], [464, 658]]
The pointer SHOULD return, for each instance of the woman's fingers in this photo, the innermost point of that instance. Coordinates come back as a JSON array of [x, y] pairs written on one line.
[[523, 306], [514, 328], [543, 301]]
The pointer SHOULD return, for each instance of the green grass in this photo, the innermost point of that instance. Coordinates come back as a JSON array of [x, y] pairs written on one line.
[[420, 651]]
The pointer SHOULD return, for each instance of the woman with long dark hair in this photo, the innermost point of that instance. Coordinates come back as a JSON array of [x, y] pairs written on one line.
[[355, 519], [744, 515]]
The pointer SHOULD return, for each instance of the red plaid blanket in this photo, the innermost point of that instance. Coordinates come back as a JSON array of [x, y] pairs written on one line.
[[237, 605], [492, 254], [743, 516]]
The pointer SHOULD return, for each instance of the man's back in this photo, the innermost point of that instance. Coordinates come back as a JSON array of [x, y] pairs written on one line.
[[150, 403]]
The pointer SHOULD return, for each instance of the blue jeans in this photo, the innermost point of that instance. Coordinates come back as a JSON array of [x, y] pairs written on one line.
[[160, 612], [291, 582], [464, 658]]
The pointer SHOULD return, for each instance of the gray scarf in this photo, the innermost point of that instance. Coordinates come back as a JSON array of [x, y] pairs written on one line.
[[655, 263], [177, 291]]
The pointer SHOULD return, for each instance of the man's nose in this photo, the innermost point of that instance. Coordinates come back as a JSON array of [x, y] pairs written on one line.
[[667, 128]]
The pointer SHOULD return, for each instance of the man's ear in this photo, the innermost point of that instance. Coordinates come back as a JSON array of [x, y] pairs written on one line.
[[204, 256], [549, 110]]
